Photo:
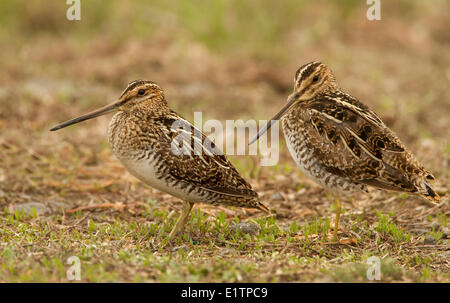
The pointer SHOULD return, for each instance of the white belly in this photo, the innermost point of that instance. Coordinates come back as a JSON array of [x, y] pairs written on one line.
[[146, 172]]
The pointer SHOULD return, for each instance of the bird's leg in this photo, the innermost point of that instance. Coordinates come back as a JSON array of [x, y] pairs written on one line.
[[187, 206], [338, 216]]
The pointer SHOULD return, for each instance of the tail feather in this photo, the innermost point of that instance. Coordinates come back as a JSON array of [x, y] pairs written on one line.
[[262, 207], [431, 195]]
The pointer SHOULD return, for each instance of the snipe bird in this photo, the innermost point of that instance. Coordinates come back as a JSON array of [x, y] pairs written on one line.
[[165, 151], [343, 145]]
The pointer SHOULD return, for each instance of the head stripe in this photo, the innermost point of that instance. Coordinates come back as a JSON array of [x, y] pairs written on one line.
[[134, 84], [306, 70]]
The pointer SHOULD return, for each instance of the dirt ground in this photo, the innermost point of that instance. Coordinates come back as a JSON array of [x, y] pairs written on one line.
[[65, 194]]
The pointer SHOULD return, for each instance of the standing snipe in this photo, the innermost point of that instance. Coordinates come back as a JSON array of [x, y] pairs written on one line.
[[343, 145], [165, 151]]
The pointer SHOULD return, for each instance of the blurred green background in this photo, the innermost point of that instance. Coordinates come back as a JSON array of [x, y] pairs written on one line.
[[229, 59]]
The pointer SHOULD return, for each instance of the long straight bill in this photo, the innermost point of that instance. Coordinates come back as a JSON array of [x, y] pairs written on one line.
[[96, 113], [291, 100]]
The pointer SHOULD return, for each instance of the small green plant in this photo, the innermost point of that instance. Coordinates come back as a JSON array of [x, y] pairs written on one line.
[[91, 225], [387, 227]]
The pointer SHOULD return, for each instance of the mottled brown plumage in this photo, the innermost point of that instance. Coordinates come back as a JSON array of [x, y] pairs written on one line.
[[165, 151], [342, 144]]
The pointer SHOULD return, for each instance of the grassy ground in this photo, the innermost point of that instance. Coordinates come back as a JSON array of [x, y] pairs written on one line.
[[64, 194]]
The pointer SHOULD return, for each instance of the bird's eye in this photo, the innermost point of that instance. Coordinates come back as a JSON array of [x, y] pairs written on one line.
[[316, 78], [141, 92]]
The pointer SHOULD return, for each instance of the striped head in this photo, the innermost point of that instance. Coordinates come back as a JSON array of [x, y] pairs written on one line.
[[312, 79], [140, 95]]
